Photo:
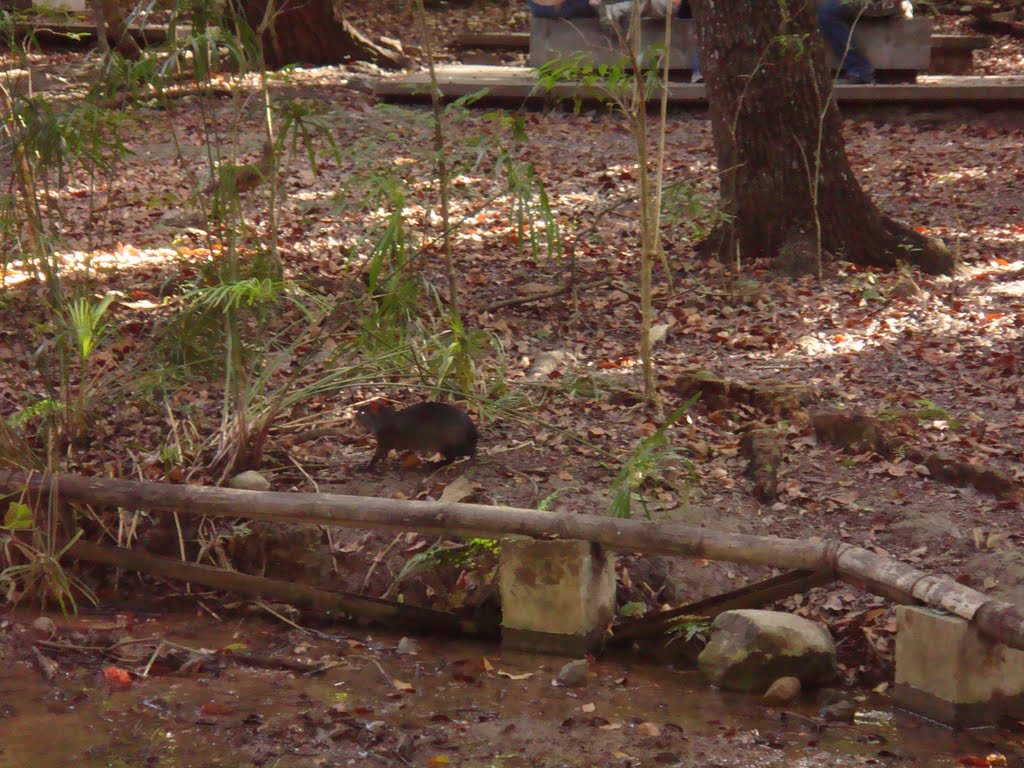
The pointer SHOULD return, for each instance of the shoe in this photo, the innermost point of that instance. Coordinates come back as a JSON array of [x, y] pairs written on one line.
[[852, 80], [696, 77]]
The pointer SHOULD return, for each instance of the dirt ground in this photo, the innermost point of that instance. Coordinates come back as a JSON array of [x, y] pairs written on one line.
[[947, 351]]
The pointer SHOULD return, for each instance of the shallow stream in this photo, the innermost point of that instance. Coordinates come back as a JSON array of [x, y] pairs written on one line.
[[452, 703]]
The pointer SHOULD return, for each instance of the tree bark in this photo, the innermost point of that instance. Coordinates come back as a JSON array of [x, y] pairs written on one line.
[[1002, 621], [786, 184], [314, 32], [111, 27]]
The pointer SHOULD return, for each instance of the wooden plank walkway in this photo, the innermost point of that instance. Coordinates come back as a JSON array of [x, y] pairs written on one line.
[[499, 40], [84, 33], [518, 84]]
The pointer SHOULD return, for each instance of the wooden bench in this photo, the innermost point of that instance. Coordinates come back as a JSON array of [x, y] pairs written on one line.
[[954, 54], [898, 48]]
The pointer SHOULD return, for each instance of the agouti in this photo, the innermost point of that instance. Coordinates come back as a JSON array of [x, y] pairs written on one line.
[[424, 427]]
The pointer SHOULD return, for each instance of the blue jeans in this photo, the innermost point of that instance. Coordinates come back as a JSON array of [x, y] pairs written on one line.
[[569, 9], [835, 18]]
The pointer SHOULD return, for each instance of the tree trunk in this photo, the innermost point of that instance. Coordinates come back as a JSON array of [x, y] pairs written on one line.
[[98, 18], [786, 184], [314, 32], [111, 27]]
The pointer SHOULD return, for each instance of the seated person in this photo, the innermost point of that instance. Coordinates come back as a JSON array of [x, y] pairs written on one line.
[[835, 18], [561, 9], [568, 9]]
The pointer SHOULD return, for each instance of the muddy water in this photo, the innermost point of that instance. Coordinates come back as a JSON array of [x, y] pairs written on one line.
[[452, 703]]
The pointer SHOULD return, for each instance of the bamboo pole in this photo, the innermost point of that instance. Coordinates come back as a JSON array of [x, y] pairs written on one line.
[[897, 581]]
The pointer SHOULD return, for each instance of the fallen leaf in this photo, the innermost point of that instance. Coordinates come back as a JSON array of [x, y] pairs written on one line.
[[213, 709], [457, 490], [657, 333], [117, 678], [511, 676], [648, 729]]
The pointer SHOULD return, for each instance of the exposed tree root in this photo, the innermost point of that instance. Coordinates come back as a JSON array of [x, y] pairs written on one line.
[[774, 398], [858, 432], [763, 450]]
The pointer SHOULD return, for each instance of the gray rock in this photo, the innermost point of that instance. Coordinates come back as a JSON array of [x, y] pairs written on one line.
[[547, 363], [574, 673], [180, 218], [829, 696], [751, 649], [840, 712], [249, 481], [782, 692], [408, 646], [44, 626]]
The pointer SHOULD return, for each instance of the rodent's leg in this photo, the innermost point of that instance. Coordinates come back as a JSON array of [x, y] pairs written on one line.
[[380, 453]]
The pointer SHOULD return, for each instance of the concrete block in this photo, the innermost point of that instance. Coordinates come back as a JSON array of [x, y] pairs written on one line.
[[556, 596], [901, 45], [954, 54], [894, 44], [948, 671], [77, 6], [555, 38]]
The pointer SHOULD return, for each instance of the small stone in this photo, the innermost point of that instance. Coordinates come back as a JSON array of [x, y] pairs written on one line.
[[782, 692], [249, 481], [408, 646], [840, 712], [574, 673], [44, 625], [828, 696], [906, 289], [548, 362]]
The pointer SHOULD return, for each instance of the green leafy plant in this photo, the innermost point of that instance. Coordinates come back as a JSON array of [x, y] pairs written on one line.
[[469, 554], [38, 575], [646, 464], [688, 628], [929, 411]]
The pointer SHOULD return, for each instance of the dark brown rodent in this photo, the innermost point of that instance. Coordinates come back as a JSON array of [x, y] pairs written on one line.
[[424, 427]]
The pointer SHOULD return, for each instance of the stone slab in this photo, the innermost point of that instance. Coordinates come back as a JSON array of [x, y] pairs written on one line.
[[518, 85], [902, 45], [948, 671], [500, 40], [551, 39], [954, 54], [78, 6], [556, 596]]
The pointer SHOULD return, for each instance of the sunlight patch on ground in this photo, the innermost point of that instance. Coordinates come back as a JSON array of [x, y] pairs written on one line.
[[962, 173], [124, 256]]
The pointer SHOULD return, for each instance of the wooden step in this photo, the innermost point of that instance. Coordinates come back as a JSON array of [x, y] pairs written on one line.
[[518, 85]]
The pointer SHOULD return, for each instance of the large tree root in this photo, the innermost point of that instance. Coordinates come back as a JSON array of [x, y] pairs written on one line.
[[858, 432], [774, 398]]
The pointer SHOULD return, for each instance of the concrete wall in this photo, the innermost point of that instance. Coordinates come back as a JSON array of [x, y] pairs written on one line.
[[890, 44]]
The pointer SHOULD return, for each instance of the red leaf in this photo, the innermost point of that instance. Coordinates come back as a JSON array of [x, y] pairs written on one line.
[[117, 678]]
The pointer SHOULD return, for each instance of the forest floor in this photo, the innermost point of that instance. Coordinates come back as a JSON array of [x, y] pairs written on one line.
[[946, 351]]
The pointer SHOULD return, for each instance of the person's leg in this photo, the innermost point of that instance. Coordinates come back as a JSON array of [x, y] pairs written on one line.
[[834, 19], [568, 9]]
